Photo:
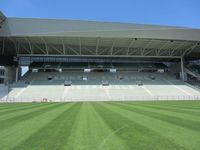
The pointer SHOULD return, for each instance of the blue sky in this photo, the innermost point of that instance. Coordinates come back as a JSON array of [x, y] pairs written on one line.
[[163, 12]]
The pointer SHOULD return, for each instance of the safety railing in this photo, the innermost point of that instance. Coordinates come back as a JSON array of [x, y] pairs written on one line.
[[99, 98]]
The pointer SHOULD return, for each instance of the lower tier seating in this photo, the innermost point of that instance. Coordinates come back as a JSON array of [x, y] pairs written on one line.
[[89, 87]]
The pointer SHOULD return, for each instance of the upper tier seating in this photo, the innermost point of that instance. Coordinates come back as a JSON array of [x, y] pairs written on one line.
[[94, 65]]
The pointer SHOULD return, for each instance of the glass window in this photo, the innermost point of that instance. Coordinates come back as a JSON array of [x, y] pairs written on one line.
[[1, 80], [2, 72]]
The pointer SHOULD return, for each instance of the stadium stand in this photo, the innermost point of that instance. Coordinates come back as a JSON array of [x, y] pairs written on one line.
[[143, 84], [74, 60]]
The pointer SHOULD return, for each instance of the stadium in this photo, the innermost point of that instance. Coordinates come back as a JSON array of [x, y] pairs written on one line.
[[84, 61], [125, 85]]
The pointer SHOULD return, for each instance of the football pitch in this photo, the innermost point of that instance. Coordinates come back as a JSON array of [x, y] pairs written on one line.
[[166, 125]]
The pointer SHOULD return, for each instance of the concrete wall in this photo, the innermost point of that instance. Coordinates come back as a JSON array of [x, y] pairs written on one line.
[[10, 74]]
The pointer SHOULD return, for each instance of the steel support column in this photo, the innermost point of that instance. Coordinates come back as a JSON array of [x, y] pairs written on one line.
[[182, 69], [3, 46]]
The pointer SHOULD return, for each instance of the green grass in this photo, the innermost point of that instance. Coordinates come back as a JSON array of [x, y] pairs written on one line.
[[172, 125]]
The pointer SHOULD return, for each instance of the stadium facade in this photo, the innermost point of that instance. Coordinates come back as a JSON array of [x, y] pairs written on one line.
[[88, 60]]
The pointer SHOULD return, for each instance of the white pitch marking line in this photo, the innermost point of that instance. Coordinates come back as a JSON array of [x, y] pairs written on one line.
[[101, 145]]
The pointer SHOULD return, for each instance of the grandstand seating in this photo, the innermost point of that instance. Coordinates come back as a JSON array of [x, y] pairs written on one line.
[[123, 85], [107, 65], [194, 68]]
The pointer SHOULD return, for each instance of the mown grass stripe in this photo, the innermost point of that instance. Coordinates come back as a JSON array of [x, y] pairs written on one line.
[[13, 136], [162, 110], [171, 109], [12, 106], [181, 136], [94, 122], [193, 125], [77, 140], [135, 135], [175, 104], [6, 116], [110, 138], [17, 108], [190, 105], [90, 132], [54, 135], [19, 119]]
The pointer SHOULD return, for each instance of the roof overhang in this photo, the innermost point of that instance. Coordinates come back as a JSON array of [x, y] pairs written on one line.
[[74, 28], [32, 37]]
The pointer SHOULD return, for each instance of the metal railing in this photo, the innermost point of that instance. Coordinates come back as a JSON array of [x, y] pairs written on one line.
[[99, 98]]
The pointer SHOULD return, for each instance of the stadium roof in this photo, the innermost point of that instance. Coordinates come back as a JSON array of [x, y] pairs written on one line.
[[51, 37]]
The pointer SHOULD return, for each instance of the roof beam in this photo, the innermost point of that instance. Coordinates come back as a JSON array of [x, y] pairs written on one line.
[[29, 43], [134, 51], [72, 50], [97, 45], [80, 49], [148, 52], [149, 43], [46, 47], [39, 48], [14, 43], [180, 45], [125, 56], [189, 50], [163, 46], [64, 48], [112, 47], [129, 46], [59, 51], [117, 51], [92, 52], [103, 50]]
